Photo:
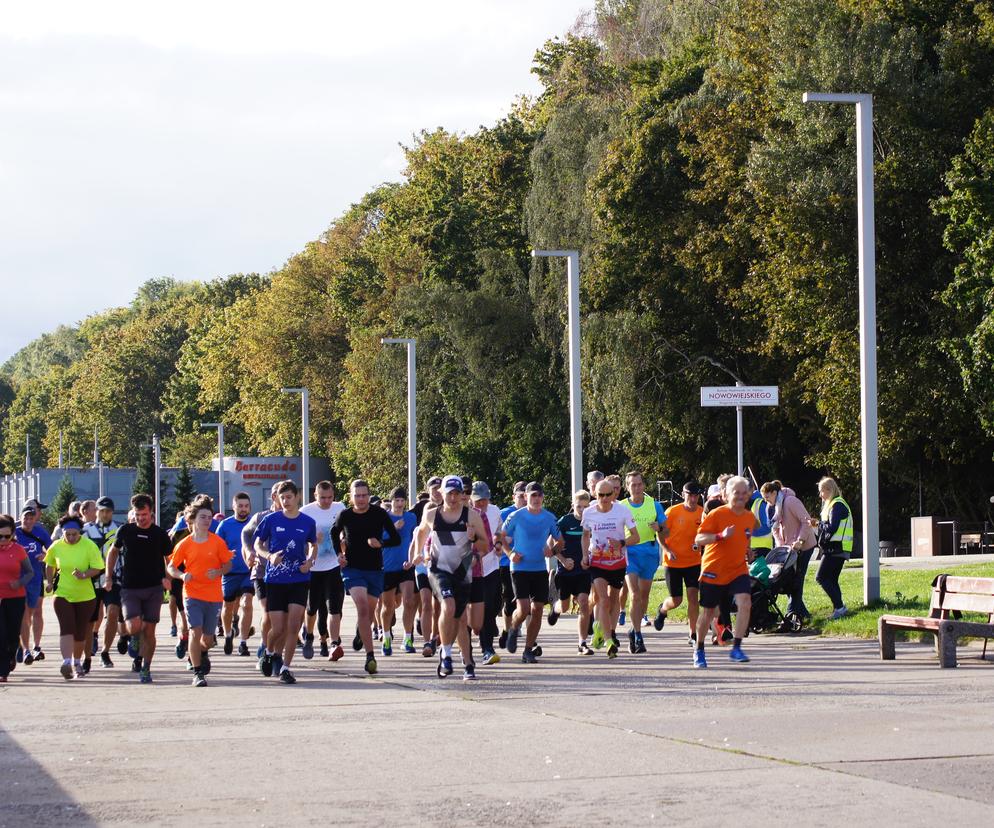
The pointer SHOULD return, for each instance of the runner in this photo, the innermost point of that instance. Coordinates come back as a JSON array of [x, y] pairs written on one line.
[[643, 557], [327, 592], [428, 607], [236, 586], [102, 532], [205, 559], [682, 558], [572, 578], [286, 541], [357, 538], [142, 548], [505, 599], [725, 535], [398, 575], [16, 572], [484, 604], [593, 478], [258, 566], [34, 537], [605, 525], [457, 536], [526, 538]]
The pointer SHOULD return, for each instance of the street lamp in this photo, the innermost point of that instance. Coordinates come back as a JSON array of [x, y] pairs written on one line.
[[305, 439], [412, 413], [573, 328], [867, 332], [220, 463]]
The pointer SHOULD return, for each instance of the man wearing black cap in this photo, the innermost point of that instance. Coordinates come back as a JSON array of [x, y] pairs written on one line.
[[101, 530], [682, 557], [34, 537]]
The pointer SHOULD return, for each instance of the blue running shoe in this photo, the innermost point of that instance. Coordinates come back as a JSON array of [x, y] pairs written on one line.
[[700, 662], [444, 666], [261, 651], [621, 618], [736, 654], [132, 647], [512, 639], [409, 644]]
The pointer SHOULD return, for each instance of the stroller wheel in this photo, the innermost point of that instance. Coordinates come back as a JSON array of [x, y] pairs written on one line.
[[794, 622]]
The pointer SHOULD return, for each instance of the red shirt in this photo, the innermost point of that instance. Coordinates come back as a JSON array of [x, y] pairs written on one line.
[[10, 569]]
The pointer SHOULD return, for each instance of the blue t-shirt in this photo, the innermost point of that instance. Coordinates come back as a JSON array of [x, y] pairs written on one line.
[[35, 547], [528, 533], [230, 531], [649, 546], [507, 510], [394, 556], [289, 536]]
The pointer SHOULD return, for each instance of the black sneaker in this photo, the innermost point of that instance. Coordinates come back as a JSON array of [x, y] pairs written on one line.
[[229, 644], [277, 663], [501, 642], [537, 649], [632, 646], [583, 648], [96, 646], [370, 664], [199, 680], [105, 659], [307, 651], [357, 641], [614, 639], [692, 639], [528, 656], [286, 677], [640, 645], [205, 663], [122, 644], [136, 664], [512, 639], [469, 672], [612, 651], [324, 649], [243, 649], [182, 647], [266, 665], [660, 618], [29, 659], [553, 617], [727, 635]]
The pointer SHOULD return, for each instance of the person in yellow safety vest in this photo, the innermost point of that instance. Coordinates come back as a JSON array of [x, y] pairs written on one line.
[[643, 557], [835, 537], [762, 539]]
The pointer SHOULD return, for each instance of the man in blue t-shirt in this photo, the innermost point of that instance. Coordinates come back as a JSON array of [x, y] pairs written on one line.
[[526, 536], [398, 574], [34, 537], [287, 542], [237, 584]]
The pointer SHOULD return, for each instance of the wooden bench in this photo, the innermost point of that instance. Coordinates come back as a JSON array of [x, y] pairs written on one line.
[[949, 594]]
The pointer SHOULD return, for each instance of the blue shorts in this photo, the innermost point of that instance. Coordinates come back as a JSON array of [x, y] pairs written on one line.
[[643, 564], [202, 614], [235, 586], [32, 597], [370, 580]]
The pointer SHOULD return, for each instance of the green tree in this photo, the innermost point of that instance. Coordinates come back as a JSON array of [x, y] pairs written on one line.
[[59, 504], [183, 493]]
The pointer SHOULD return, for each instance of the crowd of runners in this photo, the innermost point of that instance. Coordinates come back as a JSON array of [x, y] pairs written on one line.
[[450, 571]]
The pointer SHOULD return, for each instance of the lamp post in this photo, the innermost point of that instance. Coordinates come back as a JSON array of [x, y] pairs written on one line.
[[305, 440], [867, 332], [412, 413], [220, 463], [573, 330]]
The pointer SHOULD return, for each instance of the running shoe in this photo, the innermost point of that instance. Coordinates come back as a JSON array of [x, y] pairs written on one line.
[[182, 647], [537, 649], [19, 656], [38, 654], [632, 646], [376, 633], [387, 644], [205, 663], [324, 649], [122, 644], [370, 664], [133, 647], [839, 613], [553, 617], [469, 672], [66, 670], [136, 664], [444, 666], [87, 664], [598, 641], [286, 677], [700, 662], [621, 618], [266, 665], [660, 619], [277, 663], [260, 651], [490, 657], [583, 648], [105, 659], [528, 656], [307, 651], [96, 646], [172, 631], [29, 659], [337, 653], [408, 643], [614, 638], [726, 636], [243, 649], [692, 639], [645, 621], [229, 644], [199, 680], [612, 651], [736, 654], [145, 677], [78, 670], [502, 641], [220, 627], [512, 639], [357, 641], [640, 645]]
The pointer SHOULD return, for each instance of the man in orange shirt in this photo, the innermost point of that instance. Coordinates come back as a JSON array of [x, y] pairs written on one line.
[[725, 533], [682, 557], [205, 558]]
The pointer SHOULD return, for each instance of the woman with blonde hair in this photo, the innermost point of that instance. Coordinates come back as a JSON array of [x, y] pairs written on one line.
[[835, 537]]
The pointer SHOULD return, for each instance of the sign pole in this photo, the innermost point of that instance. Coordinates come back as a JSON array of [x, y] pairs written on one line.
[[740, 455]]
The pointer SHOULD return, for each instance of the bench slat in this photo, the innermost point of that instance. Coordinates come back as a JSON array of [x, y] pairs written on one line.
[[968, 603], [980, 586]]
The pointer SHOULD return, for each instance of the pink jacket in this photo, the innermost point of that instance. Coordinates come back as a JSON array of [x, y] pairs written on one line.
[[792, 522]]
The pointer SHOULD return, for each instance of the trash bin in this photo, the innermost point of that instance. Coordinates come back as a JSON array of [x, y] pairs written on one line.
[[888, 549]]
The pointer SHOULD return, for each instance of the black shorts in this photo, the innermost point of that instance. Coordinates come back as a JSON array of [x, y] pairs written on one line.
[[533, 586], [476, 591], [393, 580], [98, 606], [260, 588], [712, 594], [572, 582], [421, 581], [679, 576], [280, 596], [506, 600], [176, 591], [326, 590], [445, 585], [112, 596], [614, 577]]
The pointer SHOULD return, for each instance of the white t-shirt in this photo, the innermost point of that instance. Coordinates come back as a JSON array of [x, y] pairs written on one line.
[[325, 519], [605, 527], [491, 561]]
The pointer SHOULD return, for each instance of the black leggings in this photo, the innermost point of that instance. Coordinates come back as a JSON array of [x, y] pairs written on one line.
[[828, 578], [11, 613], [491, 587], [506, 594], [74, 617]]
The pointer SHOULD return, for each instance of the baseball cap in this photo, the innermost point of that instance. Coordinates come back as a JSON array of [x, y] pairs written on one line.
[[693, 487], [714, 490], [481, 491], [434, 481], [33, 503], [105, 503], [520, 486], [452, 483], [534, 486]]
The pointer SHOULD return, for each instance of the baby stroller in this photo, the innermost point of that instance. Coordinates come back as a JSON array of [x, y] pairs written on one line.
[[769, 582]]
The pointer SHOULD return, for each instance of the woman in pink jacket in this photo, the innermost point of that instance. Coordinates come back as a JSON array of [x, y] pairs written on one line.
[[791, 527]]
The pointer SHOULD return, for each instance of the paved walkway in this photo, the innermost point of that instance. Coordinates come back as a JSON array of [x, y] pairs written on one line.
[[812, 732], [935, 562]]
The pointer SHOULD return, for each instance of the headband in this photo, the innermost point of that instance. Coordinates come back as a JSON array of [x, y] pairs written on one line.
[[72, 524]]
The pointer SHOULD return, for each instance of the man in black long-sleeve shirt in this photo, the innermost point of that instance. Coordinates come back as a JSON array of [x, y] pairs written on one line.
[[358, 537]]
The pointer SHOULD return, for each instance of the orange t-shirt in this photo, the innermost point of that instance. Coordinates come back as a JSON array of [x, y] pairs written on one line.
[[684, 524], [213, 553], [726, 560]]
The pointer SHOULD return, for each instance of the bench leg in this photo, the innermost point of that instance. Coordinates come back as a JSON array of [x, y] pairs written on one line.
[[886, 636], [947, 647]]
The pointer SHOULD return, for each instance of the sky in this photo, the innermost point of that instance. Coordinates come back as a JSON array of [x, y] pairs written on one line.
[[196, 140]]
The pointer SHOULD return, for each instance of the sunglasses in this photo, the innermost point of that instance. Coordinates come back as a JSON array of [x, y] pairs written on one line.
[[605, 494], [6, 536]]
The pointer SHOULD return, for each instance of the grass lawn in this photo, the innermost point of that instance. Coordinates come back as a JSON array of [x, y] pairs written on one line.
[[902, 592]]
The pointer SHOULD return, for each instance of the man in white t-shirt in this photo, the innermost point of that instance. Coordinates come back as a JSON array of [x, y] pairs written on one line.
[[604, 525], [483, 602], [327, 592]]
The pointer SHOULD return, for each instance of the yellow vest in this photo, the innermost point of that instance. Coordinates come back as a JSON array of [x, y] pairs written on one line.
[[760, 541], [643, 515], [844, 533]]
